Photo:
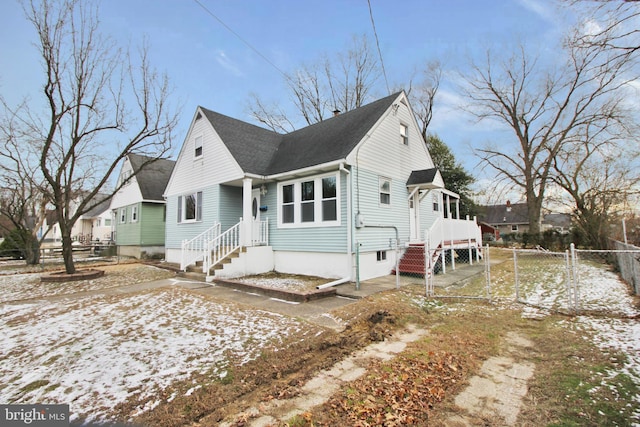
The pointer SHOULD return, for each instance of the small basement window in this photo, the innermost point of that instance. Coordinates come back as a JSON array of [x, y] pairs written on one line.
[[381, 255]]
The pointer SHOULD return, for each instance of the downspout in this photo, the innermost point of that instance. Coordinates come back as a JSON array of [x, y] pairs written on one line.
[[349, 220], [349, 235]]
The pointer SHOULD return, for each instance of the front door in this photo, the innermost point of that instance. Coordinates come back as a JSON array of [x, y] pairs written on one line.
[[255, 204], [255, 214]]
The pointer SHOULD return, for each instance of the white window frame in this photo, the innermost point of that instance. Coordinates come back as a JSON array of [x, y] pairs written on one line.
[[381, 181], [404, 134], [317, 202], [182, 209], [381, 256], [134, 213], [514, 227], [197, 144], [123, 215]]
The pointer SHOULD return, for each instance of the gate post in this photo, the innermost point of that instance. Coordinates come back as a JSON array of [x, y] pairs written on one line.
[[574, 262], [487, 272], [515, 269]]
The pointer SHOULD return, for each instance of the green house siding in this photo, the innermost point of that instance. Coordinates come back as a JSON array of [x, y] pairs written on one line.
[[147, 230], [128, 233], [152, 222]]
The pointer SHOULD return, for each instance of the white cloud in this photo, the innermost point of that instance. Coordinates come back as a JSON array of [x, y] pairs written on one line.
[[228, 64], [544, 9]]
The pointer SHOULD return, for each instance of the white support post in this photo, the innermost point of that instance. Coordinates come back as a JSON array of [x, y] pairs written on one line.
[[246, 235]]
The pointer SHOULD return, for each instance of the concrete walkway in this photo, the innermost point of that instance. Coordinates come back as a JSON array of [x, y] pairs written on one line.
[[320, 388]]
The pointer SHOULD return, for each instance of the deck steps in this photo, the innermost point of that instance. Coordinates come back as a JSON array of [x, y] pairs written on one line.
[[413, 260]]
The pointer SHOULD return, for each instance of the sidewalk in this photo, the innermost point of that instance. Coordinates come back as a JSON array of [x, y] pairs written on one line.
[[317, 311]]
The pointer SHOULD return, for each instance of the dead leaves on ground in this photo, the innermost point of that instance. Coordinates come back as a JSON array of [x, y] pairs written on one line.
[[400, 392]]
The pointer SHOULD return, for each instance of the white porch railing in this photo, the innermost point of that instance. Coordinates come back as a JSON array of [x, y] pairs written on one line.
[[260, 235], [212, 246], [194, 250], [450, 234], [223, 246]]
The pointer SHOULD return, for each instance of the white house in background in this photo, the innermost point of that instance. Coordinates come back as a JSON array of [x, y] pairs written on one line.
[[139, 208], [94, 225], [333, 199]]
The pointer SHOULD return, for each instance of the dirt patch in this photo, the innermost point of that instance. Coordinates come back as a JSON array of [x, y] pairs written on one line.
[[282, 281], [275, 374]]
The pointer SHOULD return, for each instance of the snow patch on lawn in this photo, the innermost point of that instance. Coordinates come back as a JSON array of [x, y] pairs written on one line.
[[94, 353]]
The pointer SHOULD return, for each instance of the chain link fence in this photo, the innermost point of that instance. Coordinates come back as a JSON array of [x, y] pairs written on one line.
[[569, 282]]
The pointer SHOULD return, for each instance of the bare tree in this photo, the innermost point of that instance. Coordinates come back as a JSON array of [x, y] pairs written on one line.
[[101, 105], [318, 89], [22, 203], [600, 174], [547, 109], [423, 96]]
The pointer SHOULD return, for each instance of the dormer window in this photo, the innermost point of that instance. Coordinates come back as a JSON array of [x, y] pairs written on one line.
[[198, 146]]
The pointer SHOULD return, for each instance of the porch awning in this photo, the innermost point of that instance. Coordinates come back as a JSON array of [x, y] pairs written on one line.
[[425, 179]]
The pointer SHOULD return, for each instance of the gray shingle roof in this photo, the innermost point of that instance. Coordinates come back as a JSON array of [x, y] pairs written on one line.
[[153, 177], [253, 147], [99, 208], [425, 176], [499, 214], [264, 152]]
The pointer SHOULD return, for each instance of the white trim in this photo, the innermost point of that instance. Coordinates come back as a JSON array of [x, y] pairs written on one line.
[[317, 201]]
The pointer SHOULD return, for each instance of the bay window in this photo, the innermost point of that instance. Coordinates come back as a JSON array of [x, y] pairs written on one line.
[[309, 201]]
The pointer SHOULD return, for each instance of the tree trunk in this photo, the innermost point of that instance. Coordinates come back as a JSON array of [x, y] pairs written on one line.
[[32, 250], [67, 253]]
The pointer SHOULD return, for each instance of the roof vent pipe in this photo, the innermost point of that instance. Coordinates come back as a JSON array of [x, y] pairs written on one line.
[[336, 112]]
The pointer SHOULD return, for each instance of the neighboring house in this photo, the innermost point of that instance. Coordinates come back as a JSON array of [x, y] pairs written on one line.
[[560, 222], [94, 225], [138, 208], [331, 199], [508, 218]]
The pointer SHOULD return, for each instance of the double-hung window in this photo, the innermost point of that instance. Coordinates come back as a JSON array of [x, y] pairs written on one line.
[[309, 202], [190, 207], [123, 215], [385, 191], [404, 134], [198, 147], [288, 204], [329, 199], [134, 214]]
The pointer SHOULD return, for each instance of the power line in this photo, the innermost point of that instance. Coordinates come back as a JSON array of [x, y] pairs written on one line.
[[375, 33], [241, 39]]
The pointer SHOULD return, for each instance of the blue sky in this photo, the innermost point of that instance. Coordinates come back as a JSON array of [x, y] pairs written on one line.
[[210, 66]]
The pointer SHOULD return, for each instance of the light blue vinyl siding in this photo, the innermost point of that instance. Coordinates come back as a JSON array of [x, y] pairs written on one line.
[[396, 214], [176, 233], [230, 206], [307, 239]]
